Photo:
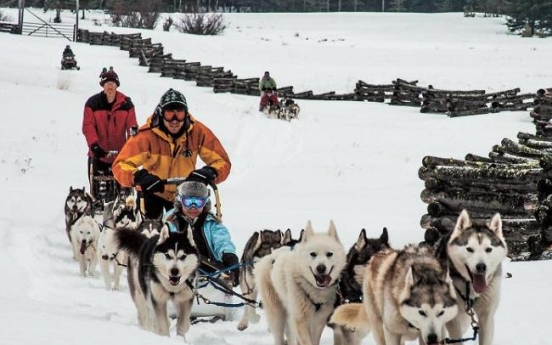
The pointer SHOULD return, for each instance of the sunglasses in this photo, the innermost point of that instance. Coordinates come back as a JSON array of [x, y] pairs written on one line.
[[170, 115], [193, 201]]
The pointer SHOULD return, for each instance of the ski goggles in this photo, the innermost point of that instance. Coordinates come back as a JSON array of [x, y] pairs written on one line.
[[193, 201], [170, 115]]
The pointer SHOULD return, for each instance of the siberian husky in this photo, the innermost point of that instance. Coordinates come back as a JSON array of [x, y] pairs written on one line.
[[350, 289], [77, 203], [474, 252], [408, 294], [298, 287], [84, 235], [260, 244], [150, 227], [160, 269]]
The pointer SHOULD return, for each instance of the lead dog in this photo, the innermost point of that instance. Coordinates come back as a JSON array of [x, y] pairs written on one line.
[[408, 294], [298, 287], [474, 253], [160, 269]]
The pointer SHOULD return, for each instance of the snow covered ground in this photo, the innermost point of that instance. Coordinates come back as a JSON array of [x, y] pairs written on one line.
[[353, 162]]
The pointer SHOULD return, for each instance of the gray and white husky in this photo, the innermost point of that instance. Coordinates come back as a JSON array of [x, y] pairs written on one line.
[[260, 244], [77, 203], [408, 294], [474, 253], [160, 269], [298, 287]]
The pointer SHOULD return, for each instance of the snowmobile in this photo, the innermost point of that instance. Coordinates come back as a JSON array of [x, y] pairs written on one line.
[[69, 62]]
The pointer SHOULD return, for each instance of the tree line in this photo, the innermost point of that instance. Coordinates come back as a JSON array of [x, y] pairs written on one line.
[[534, 16]]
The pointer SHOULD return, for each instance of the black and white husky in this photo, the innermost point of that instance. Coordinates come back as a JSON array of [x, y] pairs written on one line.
[[350, 282], [77, 203], [160, 269]]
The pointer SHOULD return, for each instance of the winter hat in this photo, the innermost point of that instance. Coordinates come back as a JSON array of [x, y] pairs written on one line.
[[193, 188], [173, 99], [110, 76]]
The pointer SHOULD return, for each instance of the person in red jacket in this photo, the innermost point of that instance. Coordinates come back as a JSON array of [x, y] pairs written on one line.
[[109, 120]]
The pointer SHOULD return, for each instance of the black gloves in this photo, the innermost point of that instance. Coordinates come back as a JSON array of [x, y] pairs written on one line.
[[148, 182], [206, 175], [231, 260], [98, 151]]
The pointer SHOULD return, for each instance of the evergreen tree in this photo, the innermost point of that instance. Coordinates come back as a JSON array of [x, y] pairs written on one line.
[[537, 14]]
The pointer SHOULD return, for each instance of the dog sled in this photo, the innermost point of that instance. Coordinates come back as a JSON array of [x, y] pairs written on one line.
[[286, 109], [214, 297], [103, 186]]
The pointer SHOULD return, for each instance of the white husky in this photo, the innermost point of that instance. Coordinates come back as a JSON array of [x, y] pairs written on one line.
[[475, 252], [298, 291], [110, 255], [84, 237]]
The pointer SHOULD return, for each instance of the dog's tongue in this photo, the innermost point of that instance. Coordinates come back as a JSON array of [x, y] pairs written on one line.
[[479, 283], [323, 280], [174, 280], [83, 248]]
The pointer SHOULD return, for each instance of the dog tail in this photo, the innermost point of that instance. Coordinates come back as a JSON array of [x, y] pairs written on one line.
[[352, 316], [129, 241]]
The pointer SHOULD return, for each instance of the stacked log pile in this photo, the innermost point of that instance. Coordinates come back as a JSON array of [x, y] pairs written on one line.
[[155, 62], [456, 103], [372, 92], [406, 93], [506, 182], [206, 75], [542, 113], [104, 38]]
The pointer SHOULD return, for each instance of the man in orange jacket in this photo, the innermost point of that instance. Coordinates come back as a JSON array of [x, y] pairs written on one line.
[[168, 145]]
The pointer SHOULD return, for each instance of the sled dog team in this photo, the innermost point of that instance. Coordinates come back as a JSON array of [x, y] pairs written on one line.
[[429, 293]]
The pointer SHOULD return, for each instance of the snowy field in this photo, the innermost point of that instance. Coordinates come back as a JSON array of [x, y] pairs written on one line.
[[353, 162]]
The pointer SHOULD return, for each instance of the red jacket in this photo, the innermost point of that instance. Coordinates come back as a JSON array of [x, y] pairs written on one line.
[[109, 128]]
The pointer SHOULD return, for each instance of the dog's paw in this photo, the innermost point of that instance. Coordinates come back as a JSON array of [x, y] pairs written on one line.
[[242, 326]]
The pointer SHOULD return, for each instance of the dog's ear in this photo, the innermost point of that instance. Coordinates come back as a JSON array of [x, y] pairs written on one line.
[[496, 225], [83, 189], [308, 231], [163, 234], [384, 238], [409, 282], [286, 238], [361, 241], [70, 189], [190, 235], [462, 223], [332, 231], [301, 236]]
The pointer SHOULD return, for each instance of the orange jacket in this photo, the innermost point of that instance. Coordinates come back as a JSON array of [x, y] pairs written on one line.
[[160, 155]]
